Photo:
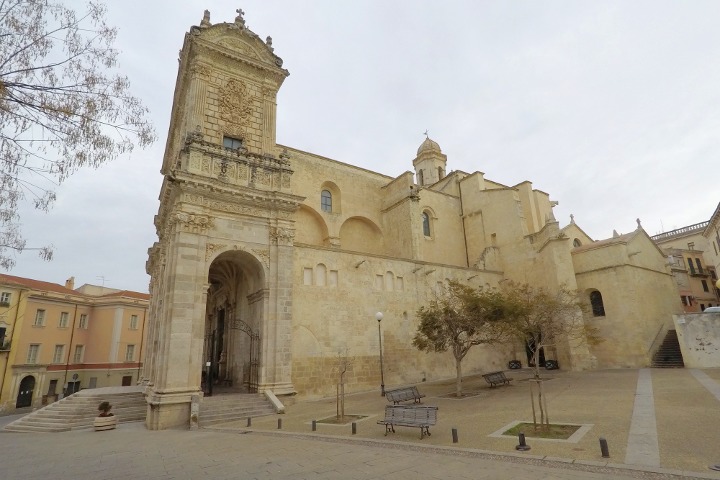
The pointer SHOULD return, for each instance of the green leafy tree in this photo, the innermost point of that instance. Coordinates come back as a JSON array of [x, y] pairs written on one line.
[[62, 106], [541, 318], [457, 320]]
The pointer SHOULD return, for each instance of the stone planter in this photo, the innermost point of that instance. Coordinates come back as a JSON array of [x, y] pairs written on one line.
[[105, 423]]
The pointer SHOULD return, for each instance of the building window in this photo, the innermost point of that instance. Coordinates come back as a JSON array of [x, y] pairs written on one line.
[[5, 299], [130, 353], [326, 201], [133, 322], [32, 355], [40, 318], [596, 302], [59, 354], [441, 173], [426, 224], [692, 267], [232, 143], [421, 180], [83, 321], [697, 261], [78, 356], [705, 286], [63, 320], [577, 242], [683, 298]]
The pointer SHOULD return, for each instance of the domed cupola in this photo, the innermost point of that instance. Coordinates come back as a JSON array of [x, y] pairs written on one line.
[[429, 163], [429, 146]]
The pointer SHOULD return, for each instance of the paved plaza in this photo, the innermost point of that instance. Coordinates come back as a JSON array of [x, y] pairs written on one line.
[[662, 424]]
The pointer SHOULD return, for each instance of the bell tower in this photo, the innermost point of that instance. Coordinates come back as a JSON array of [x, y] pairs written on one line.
[[222, 264], [430, 163]]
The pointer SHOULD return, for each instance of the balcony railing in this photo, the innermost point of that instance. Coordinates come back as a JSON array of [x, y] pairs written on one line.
[[680, 231]]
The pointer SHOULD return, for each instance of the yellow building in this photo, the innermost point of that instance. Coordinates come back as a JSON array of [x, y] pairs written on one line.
[[693, 253], [272, 261], [57, 340]]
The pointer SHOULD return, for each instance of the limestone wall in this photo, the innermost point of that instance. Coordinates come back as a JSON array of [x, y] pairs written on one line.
[[699, 337], [335, 298]]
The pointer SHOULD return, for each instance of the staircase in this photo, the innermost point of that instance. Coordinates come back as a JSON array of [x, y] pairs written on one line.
[[80, 409], [669, 355], [233, 407]]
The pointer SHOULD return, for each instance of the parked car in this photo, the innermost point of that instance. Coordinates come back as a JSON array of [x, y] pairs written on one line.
[[712, 310]]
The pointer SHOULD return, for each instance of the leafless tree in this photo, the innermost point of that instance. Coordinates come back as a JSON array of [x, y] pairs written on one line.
[[63, 106]]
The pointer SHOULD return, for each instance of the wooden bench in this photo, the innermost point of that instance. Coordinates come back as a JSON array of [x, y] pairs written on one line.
[[404, 394], [409, 416], [497, 378]]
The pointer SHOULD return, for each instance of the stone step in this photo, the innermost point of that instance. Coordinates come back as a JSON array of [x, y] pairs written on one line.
[[250, 412], [79, 410]]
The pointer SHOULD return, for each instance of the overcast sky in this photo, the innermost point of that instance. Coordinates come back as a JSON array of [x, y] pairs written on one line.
[[613, 108]]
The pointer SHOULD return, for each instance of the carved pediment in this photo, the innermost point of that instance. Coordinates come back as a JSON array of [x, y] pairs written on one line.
[[241, 42]]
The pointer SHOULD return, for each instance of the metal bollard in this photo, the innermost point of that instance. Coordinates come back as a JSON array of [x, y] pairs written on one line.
[[314, 425], [354, 428], [522, 446], [249, 421], [455, 435], [279, 423], [604, 448]]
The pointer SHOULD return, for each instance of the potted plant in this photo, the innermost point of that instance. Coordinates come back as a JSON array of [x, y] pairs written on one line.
[[105, 420]]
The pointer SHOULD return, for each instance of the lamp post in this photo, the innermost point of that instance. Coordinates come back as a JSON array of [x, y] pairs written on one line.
[[379, 317]]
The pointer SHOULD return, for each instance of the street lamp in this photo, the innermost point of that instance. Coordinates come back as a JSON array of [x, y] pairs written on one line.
[[379, 317]]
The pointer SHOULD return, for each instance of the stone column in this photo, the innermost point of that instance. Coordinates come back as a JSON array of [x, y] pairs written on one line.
[[276, 335], [180, 326]]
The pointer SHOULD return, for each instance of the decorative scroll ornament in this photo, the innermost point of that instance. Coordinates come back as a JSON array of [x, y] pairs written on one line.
[[193, 223], [235, 105], [264, 255], [211, 248], [281, 236]]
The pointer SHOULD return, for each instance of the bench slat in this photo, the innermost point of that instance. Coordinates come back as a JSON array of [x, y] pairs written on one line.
[[409, 416], [497, 378]]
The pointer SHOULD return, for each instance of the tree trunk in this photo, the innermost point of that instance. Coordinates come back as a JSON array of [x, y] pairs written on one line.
[[458, 380]]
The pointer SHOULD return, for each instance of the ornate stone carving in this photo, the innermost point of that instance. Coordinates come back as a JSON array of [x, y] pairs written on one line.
[[242, 172], [285, 180], [261, 176], [201, 70], [235, 105], [211, 248], [264, 256], [281, 236], [190, 222]]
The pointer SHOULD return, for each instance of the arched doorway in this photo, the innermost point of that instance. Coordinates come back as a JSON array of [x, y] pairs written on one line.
[[235, 311], [25, 394]]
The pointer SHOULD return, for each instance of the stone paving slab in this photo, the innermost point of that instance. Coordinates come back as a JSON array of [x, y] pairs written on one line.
[[131, 452], [687, 422], [688, 417]]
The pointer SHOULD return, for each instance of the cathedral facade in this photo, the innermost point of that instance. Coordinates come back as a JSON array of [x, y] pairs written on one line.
[[272, 263]]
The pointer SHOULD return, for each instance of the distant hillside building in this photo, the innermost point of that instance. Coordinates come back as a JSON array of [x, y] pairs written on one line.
[[55, 339], [271, 261]]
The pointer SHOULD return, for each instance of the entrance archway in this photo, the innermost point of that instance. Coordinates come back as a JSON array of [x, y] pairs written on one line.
[[25, 394], [235, 311]]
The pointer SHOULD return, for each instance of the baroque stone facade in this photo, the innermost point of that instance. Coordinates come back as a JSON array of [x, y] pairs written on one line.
[[271, 262]]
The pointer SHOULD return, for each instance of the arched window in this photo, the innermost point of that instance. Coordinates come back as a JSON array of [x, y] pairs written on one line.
[[426, 224], [596, 302], [441, 173], [421, 181], [326, 201], [577, 242]]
